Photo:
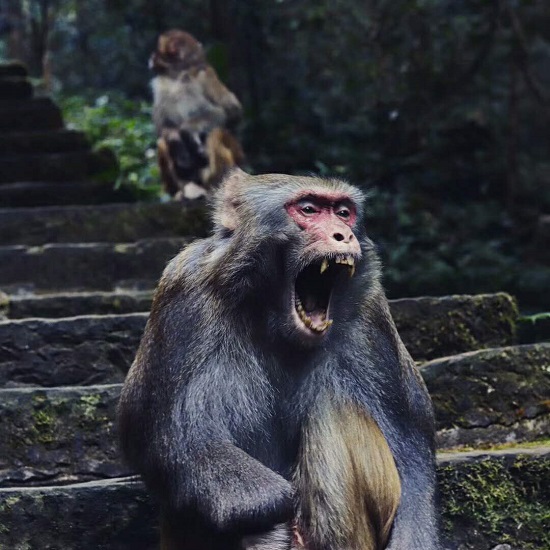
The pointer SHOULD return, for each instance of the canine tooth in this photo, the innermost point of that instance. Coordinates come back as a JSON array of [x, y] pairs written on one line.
[[324, 265], [352, 271]]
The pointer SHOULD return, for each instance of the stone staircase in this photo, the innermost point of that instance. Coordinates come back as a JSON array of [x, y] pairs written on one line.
[[41, 162], [77, 284]]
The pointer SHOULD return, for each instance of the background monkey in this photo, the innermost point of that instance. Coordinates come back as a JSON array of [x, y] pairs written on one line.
[[192, 111], [271, 392]]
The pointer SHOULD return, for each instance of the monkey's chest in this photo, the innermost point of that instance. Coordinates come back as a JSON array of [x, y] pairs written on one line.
[[274, 442]]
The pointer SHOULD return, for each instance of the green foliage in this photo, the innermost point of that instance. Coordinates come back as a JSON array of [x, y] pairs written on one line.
[[124, 126]]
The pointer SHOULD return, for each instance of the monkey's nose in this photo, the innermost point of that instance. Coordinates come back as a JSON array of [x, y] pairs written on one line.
[[341, 237]]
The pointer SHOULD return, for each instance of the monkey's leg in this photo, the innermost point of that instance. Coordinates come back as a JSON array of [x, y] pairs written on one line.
[[166, 166], [279, 538], [175, 534]]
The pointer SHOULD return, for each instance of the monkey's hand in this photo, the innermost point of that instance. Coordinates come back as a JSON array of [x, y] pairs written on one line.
[[278, 538], [235, 492], [281, 537]]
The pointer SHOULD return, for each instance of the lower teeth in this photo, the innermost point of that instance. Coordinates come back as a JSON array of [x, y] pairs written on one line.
[[307, 320]]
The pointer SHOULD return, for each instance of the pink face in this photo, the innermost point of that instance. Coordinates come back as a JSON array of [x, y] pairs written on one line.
[[328, 219], [332, 250]]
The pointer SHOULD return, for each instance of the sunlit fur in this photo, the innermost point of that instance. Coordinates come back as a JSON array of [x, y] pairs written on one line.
[[346, 479], [238, 426]]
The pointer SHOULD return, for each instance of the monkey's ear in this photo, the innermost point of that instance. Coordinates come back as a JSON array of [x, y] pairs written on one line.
[[228, 199]]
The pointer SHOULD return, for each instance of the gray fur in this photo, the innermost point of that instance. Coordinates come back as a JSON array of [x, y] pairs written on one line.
[[213, 407]]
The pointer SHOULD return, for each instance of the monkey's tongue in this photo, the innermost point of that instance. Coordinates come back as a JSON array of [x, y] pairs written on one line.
[[314, 318]]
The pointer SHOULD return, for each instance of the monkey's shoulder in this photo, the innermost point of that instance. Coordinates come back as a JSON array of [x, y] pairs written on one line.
[[189, 269]]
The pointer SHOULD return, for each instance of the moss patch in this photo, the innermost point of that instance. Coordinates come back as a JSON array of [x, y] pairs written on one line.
[[497, 501]]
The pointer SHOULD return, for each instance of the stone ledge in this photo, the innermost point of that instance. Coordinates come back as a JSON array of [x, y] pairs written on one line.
[[55, 167], [102, 223], [80, 350], [30, 115], [89, 266], [41, 193], [72, 304], [42, 142], [491, 396], [437, 326], [24, 423], [58, 435], [497, 498]]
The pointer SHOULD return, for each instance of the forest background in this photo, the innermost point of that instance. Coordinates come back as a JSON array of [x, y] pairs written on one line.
[[441, 109]]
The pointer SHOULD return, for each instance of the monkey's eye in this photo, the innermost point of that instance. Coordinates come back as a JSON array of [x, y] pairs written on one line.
[[308, 208], [343, 212]]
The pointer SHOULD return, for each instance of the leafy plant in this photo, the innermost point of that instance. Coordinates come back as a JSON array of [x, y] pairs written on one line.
[[124, 126]]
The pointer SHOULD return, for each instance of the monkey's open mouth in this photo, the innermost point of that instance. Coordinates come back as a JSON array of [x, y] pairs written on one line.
[[313, 290]]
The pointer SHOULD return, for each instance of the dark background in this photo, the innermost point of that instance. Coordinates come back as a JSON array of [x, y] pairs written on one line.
[[440, 108]]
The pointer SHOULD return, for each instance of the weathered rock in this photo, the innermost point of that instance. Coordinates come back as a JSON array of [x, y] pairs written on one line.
[[13, 68], [18, 143], [488, 499], [63, 352], [500, 497], [76, 303], [104, 223], [32, 193], [94, 266], [58, 435], [29, 115], [491, 396], [434, 327], [15, 87], [56, 167], [113, 515], [534, 328]]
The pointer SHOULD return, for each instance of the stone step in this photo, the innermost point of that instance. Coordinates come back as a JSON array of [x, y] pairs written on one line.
[[15, 87], [56, 167], [13, 68], [102, 223], [59, 435], [100, 515], [39, 426], [490, 397], [29, 194], [489, 498], [29, 115], [17, 143], [492, 498], [72, 304], [36, 351], [64, 352], [436, 326], [90, 266]]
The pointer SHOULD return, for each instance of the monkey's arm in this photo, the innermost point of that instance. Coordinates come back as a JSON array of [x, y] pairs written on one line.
[[218, 94], [188, 458], [230, 489], [405, 414]]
